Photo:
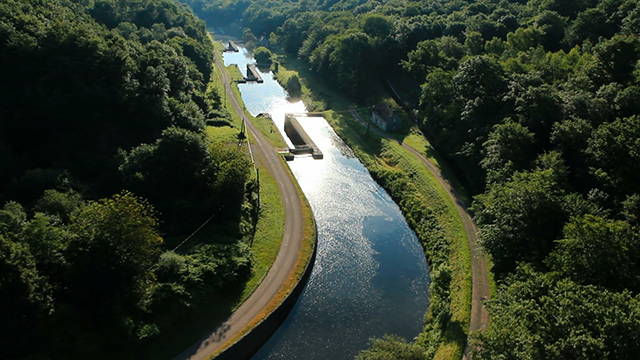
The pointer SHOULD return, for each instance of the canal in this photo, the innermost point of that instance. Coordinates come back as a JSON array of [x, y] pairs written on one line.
[[370, 277]]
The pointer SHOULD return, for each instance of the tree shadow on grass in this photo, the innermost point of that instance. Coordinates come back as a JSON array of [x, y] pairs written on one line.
[[356, 134], [455, 334], [204, 317], [204, 323]]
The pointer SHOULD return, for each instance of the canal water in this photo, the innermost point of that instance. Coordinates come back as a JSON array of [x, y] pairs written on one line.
[[370, 277]]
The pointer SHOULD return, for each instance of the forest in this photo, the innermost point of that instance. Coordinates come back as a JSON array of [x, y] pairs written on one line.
[[535, 106], [105, 167]]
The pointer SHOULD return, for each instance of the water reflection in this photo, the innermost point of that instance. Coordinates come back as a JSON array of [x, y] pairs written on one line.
[[370, 275], [268, 97]]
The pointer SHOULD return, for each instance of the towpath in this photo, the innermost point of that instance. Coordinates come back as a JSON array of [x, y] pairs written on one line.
[[480, 281], [289, 250]]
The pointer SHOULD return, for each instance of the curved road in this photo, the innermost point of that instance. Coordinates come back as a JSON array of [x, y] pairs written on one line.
[[480, 278], [289, 250]]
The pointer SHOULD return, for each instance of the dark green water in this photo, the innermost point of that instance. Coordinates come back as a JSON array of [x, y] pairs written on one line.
[[370, 277]]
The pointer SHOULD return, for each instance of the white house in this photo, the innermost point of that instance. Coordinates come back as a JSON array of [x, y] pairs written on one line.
[[384, 118]]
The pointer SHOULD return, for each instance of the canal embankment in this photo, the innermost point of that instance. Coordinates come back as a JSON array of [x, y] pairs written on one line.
[[255, 332], [428, 208], [278, 288], [256, 335], [370, 276]]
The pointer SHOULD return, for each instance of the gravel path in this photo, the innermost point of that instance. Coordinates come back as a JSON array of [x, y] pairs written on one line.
[[266, 155]]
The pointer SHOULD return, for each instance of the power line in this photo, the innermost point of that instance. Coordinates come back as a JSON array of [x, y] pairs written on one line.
[[201, 226], [192, 234]]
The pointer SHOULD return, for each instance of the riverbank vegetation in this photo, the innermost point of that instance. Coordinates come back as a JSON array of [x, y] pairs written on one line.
[[290, 81], [534, 106], [114, 147], [426, 205], [432, 215], [262, 55]]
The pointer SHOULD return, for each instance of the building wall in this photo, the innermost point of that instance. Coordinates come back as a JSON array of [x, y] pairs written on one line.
[[378, 121]]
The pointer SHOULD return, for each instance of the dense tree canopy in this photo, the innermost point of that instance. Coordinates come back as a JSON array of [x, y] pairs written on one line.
[[99, 98], [537, 316], [116, 241], [109, 77], [186, 176], [522, 218], [262, 55], [598, 251]]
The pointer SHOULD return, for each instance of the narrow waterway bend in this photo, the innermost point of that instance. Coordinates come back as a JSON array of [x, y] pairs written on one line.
[[370, 277]]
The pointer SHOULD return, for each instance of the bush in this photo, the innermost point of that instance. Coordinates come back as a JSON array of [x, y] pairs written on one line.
[[262, 55], [293, 86]]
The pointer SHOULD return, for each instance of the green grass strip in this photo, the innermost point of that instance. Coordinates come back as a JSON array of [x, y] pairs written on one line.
[[426, 205], [269, 232]]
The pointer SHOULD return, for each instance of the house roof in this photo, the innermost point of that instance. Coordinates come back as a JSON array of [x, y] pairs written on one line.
[[383, 111]]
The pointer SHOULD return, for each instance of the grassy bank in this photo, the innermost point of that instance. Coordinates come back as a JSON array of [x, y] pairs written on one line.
[[269, 229], [266, 127], [426, 206], [431, 213], [306, 252], [272, 225]]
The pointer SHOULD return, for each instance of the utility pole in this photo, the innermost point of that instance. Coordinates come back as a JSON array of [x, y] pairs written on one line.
[[224, 90], [258, 178], [242, 136]]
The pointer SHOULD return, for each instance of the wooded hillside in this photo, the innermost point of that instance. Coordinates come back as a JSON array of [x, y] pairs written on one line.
[[103, 154]]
